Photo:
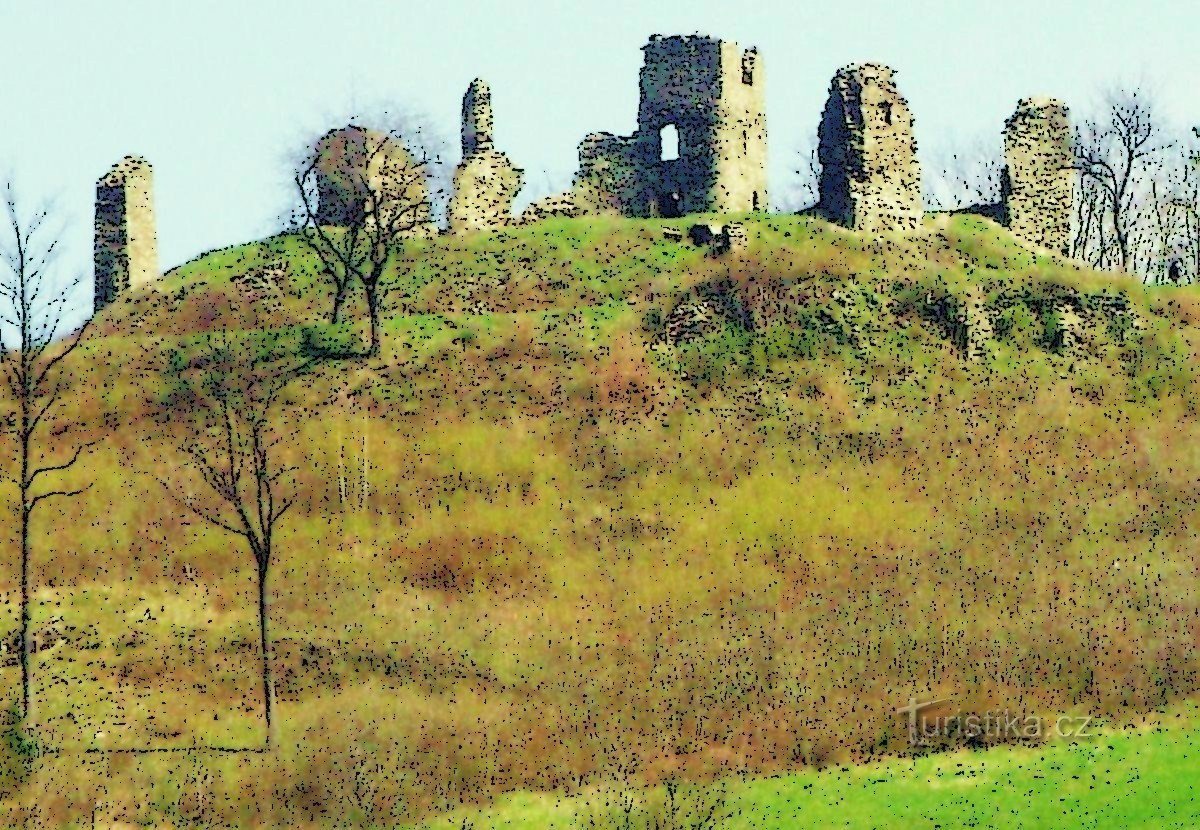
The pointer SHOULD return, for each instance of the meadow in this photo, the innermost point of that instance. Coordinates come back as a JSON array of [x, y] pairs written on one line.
[[538, 545]]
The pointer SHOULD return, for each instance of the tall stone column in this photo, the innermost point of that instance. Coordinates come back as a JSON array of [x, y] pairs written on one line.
[[485, 183], [1038, 185], [125, 254], [477, 118]]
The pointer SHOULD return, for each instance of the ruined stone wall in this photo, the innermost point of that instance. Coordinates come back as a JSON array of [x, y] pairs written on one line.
[[485, 183], [354, 162], [1038, 182], [125, 254], [610, 176], [712, 94], [870, 177], [680, 85], [740, 140]]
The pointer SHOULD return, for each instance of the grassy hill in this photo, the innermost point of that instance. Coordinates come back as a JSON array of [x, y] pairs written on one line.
[[554, 535]]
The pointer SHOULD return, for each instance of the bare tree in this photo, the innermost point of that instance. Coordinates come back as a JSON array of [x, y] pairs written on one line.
[[1089, 242], [964, 178], [379, 195], [1186, 203], [803, 191], [1116, 154], [33, 302], [231, 441]]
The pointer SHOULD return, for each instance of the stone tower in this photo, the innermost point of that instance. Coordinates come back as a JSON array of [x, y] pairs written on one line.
[[125, 255], [870, 177], [485, 183], [701, 142], [1038, 184], [702, 125], [355, 162], [477, 118]]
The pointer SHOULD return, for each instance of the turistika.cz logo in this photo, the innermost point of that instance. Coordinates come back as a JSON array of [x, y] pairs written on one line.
[[931, 729]]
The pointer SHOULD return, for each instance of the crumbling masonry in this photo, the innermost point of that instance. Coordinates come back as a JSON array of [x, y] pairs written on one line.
[[355, 165], [485, 183], [870, 177], [701, 142], [1038, 182], [125, 255], [700, 146]]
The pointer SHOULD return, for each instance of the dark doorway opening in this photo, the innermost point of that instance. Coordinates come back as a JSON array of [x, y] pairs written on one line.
[[670, 205]]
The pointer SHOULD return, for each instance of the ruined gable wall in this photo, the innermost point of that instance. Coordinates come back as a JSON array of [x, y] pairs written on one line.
[[871, 179], [611, 177], [353, 159]]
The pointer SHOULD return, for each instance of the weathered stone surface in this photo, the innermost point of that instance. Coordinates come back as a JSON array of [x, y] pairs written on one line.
[[610, 178], [477, 118], [974, 323], [485, 183], [1038, 184], [560, 204], [356, 164], [692, 320], [870, 177], [707, 309], [260, 286], [701, 142], [125, 254], [734, 239], [1071, 330], [485, 186]]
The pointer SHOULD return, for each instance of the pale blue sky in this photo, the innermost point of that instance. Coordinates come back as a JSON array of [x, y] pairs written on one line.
[[213, 92]]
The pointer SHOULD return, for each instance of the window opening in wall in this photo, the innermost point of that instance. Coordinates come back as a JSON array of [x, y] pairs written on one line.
[[668, 136]]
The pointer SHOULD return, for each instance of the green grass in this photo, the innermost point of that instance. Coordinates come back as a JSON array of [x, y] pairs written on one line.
[[1130, 779]]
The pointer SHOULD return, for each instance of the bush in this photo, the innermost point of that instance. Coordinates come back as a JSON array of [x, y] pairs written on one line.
[[326, 340], [670, 807], [19, 752]]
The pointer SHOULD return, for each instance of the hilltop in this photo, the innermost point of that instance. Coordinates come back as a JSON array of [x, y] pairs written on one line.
[[609, 504]]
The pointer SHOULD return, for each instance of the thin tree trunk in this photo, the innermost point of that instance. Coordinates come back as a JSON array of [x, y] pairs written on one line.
[[265, 650], [339, 301], [26, 508], [26, 710], [373, 308]]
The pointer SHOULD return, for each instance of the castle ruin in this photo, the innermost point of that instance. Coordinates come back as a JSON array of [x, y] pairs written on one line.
[[701, 142], [125, 255], [699, 147], [485, 183], [1038, 183], [870, 176]]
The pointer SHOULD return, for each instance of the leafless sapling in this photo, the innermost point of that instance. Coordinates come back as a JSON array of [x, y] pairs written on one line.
[[34, 301], [232, 439]]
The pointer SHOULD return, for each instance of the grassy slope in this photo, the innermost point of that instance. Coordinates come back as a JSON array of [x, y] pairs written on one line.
[[578, 551], [1137, 779]]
